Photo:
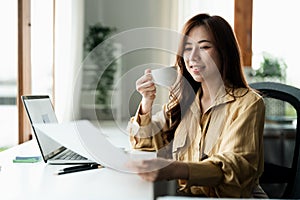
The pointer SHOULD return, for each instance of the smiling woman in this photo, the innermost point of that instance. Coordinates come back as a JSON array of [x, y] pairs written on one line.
[[209, 135]]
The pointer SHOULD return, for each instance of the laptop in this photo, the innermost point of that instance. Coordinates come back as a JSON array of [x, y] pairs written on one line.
[[39, 109]]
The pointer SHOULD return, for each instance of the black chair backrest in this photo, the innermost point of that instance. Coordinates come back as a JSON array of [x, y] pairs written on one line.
[[274, 173]]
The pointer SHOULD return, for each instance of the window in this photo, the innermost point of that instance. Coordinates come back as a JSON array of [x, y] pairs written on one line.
[[8, 75], [42, 46], [189, 8], [36, 28], [275, 32]]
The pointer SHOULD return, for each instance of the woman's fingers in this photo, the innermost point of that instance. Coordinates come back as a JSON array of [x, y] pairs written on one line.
[[144, 166], [140, 166], [145, 170], [145, 85], [144, 78], [153, 169], [149, 176]]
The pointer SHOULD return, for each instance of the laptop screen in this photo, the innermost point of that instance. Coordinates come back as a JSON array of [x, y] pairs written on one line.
[[40, 110]]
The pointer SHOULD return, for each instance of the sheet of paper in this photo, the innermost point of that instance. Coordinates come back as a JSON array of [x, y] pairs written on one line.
[[86, 140]]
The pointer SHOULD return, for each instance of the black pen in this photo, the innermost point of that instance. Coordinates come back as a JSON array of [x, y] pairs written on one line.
[[78, 168]]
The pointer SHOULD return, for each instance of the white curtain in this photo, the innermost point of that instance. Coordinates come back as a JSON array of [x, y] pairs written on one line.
[[189, 8], [69, 31]]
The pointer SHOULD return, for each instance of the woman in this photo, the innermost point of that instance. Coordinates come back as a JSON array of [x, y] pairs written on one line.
[[213, 124]]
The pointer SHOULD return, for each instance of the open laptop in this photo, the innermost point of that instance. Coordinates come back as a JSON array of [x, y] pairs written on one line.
[[40, 110]]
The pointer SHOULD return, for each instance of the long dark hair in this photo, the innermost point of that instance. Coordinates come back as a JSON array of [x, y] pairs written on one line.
[[223, 38]]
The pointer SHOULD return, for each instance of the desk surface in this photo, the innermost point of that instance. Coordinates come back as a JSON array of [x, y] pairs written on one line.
[[37, 180]]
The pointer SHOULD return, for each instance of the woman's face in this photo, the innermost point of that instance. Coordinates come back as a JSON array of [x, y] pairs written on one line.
[[201, 58]]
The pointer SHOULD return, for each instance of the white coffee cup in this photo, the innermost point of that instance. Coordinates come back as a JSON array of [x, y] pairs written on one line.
[[165, 76]]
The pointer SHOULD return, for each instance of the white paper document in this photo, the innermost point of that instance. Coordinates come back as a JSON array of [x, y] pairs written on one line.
[[85, 139]]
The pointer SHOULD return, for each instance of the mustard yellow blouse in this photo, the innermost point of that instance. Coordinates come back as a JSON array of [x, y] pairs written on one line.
[[223, 146]]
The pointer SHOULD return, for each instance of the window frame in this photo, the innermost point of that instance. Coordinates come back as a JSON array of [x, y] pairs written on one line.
[[243, 10], [24, 67]]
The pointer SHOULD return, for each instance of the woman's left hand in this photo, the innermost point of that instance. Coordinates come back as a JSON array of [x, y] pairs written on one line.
[[160, 169]]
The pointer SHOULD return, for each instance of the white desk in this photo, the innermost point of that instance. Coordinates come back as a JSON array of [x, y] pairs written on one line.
[[37, 180]]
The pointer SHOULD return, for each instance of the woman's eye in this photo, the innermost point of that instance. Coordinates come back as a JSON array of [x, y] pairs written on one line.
[[187, 49], [204, 47]]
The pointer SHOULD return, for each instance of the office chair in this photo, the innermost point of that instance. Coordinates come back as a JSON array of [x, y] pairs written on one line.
[[281, 179]]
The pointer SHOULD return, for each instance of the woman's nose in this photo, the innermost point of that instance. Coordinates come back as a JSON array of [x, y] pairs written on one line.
[[195, 55]]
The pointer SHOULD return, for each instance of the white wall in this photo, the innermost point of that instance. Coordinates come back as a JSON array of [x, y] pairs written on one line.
[[128, 16]]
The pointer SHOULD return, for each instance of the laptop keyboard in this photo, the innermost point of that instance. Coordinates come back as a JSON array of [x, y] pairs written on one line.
[[69, 155]]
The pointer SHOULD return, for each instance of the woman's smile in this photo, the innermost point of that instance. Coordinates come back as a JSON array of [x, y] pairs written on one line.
[[197, 69]]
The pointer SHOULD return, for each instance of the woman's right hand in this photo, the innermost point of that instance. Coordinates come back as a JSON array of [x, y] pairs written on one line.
[[146, 87]]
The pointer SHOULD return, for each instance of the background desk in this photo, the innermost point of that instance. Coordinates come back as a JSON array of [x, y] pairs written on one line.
[[37, 180]]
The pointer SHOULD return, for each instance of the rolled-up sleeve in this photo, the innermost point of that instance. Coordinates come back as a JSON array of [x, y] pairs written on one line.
[[146, 131]]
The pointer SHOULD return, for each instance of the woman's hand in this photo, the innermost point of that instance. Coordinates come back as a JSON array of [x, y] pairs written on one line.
[[147, 89], [161, 169]]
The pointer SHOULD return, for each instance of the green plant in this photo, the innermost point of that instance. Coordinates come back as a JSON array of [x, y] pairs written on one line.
[[3, 148], [103, 57], [271, 67], [97, 34]]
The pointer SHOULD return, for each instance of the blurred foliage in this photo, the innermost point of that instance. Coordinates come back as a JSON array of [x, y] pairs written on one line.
[[271, 67], [97, 34], [103, 57]]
